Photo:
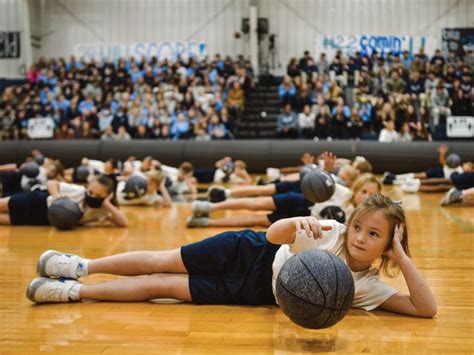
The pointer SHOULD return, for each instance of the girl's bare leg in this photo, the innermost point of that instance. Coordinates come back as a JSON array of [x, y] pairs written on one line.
[[250, 203], [139, 263], [240, 221], [5, 219], [247, 191], [4, 204], [145, 288]]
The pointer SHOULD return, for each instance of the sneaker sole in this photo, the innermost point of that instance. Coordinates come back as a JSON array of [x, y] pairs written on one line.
[[33, 287], [43, 259]]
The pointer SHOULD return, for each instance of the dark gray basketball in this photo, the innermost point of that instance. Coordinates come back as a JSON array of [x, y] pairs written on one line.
[[228, 168], [317, 186], [453, 160], [30, 170], [306, 169], [81, 173], [64, 213], [315, 289], [135, 187]]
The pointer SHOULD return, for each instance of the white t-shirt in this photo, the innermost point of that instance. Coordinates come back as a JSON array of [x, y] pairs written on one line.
[[370, 291], [177, 187], [148, 199], [339, 198], [219, 176], [387, 136], [96, 165], [448, 171], [77, 193], [39, 181]]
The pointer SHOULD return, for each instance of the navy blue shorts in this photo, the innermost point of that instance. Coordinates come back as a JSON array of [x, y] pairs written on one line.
[[11, 183], [287, 186], [463, 181], [289, 205], [231, 268], [29, 209], [435, 172]]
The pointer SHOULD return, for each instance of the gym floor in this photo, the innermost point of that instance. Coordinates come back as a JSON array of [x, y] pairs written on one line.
[[441, 242]]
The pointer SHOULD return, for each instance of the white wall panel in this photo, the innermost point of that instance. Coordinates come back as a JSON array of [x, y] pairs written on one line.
[[10, 20], [90, 21]]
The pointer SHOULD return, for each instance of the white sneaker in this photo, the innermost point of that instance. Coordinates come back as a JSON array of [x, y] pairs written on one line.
[[201, 208], [411, 185], [52, 263], [43, 290], [452, 196]]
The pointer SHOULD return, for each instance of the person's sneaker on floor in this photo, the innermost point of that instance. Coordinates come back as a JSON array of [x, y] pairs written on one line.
[[452, 196], [201, 208], [197, 222], [44, 290], [55, 264], [388, 180], [216, 194]]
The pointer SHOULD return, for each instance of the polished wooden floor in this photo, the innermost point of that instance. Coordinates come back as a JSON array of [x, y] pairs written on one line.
[[441, 243]]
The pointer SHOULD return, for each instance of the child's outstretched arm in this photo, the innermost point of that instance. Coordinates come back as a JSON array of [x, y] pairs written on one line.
[[420, 302], [442, 149], [284, 230]]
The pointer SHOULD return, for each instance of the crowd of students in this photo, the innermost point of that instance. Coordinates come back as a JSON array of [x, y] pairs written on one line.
[[392, 96], [130, 98]]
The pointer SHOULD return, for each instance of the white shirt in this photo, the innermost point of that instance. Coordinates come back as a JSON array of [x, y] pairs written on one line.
[[148, 199], [340, 198], [306, 121], [370, 291], [448, 171], [387, 136], [27, 183]]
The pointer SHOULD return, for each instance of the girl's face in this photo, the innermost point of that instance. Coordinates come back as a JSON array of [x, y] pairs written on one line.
[[95, 189], [367, 190], [368, 237]]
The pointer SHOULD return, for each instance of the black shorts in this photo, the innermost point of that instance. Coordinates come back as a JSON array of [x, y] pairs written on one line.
[[11, 183], [289, 205], [463, 181], [231, 268], [437, 172], [29, 209], [287, 186]]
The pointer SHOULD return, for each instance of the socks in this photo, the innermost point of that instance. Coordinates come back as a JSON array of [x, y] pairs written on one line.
[[227, 193], [73, 293], [82, 267], [405, 176]]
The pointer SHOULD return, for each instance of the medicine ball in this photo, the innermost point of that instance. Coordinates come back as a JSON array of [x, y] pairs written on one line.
[[135, 187], [30, 170], [306, 169], [453, 160], [80, 174], [333, 212]]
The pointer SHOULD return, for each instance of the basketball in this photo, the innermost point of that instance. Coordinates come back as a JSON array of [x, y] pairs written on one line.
[[64, 213], [317, 186], [315, 289]]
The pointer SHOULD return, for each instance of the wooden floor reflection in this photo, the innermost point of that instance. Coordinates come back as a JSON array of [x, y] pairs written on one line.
[[441, 242]]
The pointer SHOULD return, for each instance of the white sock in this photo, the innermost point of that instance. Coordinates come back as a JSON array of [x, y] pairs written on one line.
[[227, 193], [73, 293], [83, 267], [405, 176]]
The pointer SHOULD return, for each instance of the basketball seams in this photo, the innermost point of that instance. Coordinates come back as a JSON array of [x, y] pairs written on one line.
[[314, 278]]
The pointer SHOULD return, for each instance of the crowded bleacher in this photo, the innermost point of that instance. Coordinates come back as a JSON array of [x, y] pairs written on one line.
[[390, 97], [129, 99]]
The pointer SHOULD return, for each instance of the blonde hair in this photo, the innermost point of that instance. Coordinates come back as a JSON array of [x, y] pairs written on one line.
[[394, 215], [351, 172], [363, 166], [240, 164], [360, 182], [155, 175]]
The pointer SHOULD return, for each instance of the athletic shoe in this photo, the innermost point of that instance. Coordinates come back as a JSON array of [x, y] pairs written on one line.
[[44, 290], [197, 222], [452, 196], [201, 208], [216, 194], [52, 263], [411, 185], [388, 180]]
